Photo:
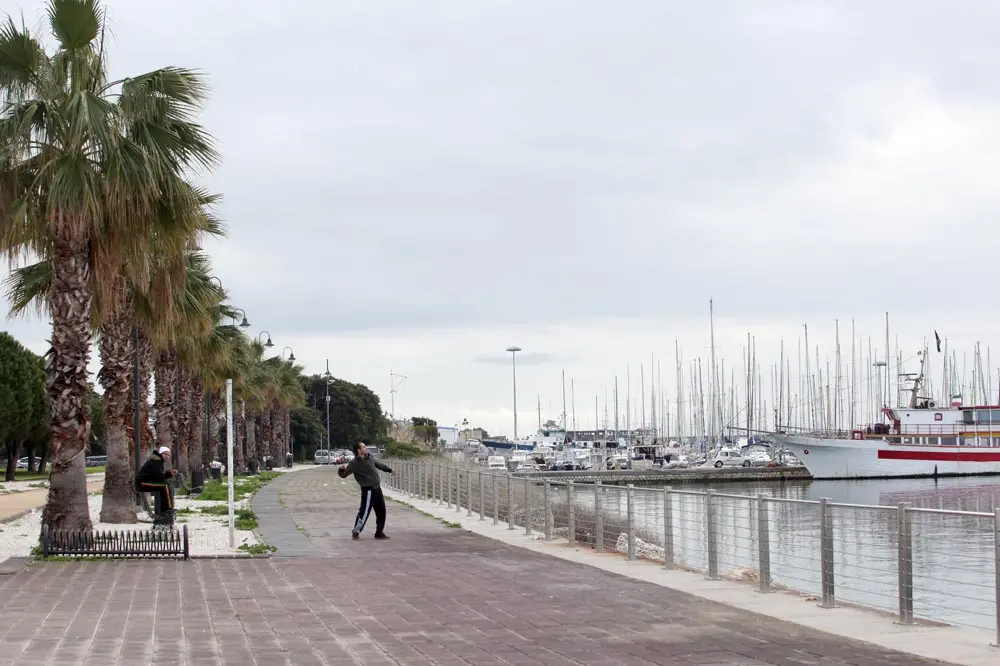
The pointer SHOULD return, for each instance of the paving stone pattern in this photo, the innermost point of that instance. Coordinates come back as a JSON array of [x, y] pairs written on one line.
[[432, 595]]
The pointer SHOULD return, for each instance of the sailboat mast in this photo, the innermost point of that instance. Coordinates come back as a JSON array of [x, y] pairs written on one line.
[[713, 398], [564, 424]]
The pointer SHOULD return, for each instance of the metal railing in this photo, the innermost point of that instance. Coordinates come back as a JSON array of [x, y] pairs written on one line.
[[917, 563], [116, 543]]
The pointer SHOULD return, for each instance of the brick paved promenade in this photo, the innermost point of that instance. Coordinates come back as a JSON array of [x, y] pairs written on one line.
[[431, 595]]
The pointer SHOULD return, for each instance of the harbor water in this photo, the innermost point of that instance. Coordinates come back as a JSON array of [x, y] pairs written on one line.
[[953, 555]]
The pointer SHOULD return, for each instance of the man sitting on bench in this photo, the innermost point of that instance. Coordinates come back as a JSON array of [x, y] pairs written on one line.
[[154, 477]]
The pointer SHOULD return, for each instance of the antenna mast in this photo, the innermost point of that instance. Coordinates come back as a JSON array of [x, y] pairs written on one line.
[[393, 390]]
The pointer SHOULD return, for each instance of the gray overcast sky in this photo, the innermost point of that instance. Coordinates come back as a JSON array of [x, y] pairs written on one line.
[[413, 186]]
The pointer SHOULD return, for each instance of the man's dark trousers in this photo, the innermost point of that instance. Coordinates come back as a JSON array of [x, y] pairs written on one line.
[[371, 499]]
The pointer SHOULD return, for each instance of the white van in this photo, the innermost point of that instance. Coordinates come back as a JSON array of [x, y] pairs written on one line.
[[321, 457], [498, 463]]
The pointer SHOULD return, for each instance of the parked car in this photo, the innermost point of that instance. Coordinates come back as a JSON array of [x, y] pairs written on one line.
[[729, 458], [321, 457], [22, 463], [95, 461]]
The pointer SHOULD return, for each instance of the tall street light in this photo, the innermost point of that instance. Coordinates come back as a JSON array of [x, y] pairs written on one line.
[[329, 378], [513, 364], [291, 355]]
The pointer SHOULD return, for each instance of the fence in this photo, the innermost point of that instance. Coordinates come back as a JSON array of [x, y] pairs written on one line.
[[931, 564]]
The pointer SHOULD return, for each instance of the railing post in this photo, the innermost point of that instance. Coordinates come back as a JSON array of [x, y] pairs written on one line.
[[570, 516], [527, 506], [447, 498], [482, 498], [826, 554], [996, 562], [598, 518], [763, 543], [630, 510], [458, 490], [904, 564], [440, 484], [468, 493], [668, 530], [510, 502], [713, 536], [496, 503], [547, 511]]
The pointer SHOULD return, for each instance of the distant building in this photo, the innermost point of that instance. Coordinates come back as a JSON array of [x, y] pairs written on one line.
[[471, 433], [448, 436]]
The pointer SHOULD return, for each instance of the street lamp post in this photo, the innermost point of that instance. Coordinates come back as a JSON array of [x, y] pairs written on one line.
[[267, 344], [243, 324], [513, 365], [291, 355], [329, 378]]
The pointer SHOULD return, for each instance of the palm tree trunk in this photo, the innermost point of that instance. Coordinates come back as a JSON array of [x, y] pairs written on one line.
[[165, 374], [69, 391], [251, 427], [266, 432], [118, 499], [198, 423], [182, 420], [145, 379], [239, 460]]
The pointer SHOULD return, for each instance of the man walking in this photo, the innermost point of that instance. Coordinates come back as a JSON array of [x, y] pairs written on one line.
[[154, 477], [365, 468]]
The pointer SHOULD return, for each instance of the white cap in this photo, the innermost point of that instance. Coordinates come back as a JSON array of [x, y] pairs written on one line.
[[162, 450]]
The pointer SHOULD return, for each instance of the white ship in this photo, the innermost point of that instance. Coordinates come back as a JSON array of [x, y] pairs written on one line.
[[920, 439]]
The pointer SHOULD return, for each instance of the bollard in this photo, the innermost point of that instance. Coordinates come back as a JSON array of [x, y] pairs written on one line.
[[668, 530], [527, 507], [468, 494], [547, 511], [598, 519], [510, 502], [496, 502], [713, 536], [482, 498], [570, 515], [996, 562], [826, 554], [905, 562], [763, 544], [630, 511]]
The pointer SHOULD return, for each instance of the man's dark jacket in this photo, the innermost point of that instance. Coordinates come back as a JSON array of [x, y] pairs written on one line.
[[153, 471], [365, 470]]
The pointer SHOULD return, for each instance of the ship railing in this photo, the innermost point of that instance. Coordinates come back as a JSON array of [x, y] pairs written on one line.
[[917, 560]]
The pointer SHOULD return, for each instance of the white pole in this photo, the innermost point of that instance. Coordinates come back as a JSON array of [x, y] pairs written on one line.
[[229, 459]]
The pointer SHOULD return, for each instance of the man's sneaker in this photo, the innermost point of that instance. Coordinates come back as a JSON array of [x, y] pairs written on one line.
[[381, 535], [355, 535]]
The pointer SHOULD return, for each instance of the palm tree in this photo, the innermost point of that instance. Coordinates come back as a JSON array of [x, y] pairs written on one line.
[[72, 172]]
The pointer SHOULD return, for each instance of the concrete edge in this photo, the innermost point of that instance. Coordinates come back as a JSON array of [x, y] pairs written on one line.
[[949, 644], [16, 516]]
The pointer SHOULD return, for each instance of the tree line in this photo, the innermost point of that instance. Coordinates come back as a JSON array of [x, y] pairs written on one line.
[[97, 184]]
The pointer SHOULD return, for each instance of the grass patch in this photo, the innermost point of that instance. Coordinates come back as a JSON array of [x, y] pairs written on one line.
[[448, 523], [218, 491], [24, 475], [257, 548], [245, 519]]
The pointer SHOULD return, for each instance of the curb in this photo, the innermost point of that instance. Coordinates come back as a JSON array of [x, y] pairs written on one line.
[[16, 516], [231, 556]]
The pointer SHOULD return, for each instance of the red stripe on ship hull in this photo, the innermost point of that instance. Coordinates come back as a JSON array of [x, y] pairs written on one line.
[[951, 455]]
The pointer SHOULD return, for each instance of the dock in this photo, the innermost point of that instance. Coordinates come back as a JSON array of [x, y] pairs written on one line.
[[700, 475]]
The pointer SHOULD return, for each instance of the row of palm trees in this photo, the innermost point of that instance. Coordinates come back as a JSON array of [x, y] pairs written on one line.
[[99, 207]]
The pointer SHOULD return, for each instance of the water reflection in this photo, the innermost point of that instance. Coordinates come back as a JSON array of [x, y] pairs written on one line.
[[953, 556]]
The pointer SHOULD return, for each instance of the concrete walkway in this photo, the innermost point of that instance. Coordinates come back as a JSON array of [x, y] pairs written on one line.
[[433, 595], [15, 505]]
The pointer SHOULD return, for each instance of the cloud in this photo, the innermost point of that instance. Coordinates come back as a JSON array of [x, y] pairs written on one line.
[[523, 359], [414, 185]]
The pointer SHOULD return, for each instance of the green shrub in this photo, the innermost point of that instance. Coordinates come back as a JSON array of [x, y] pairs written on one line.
[[403, 450]]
